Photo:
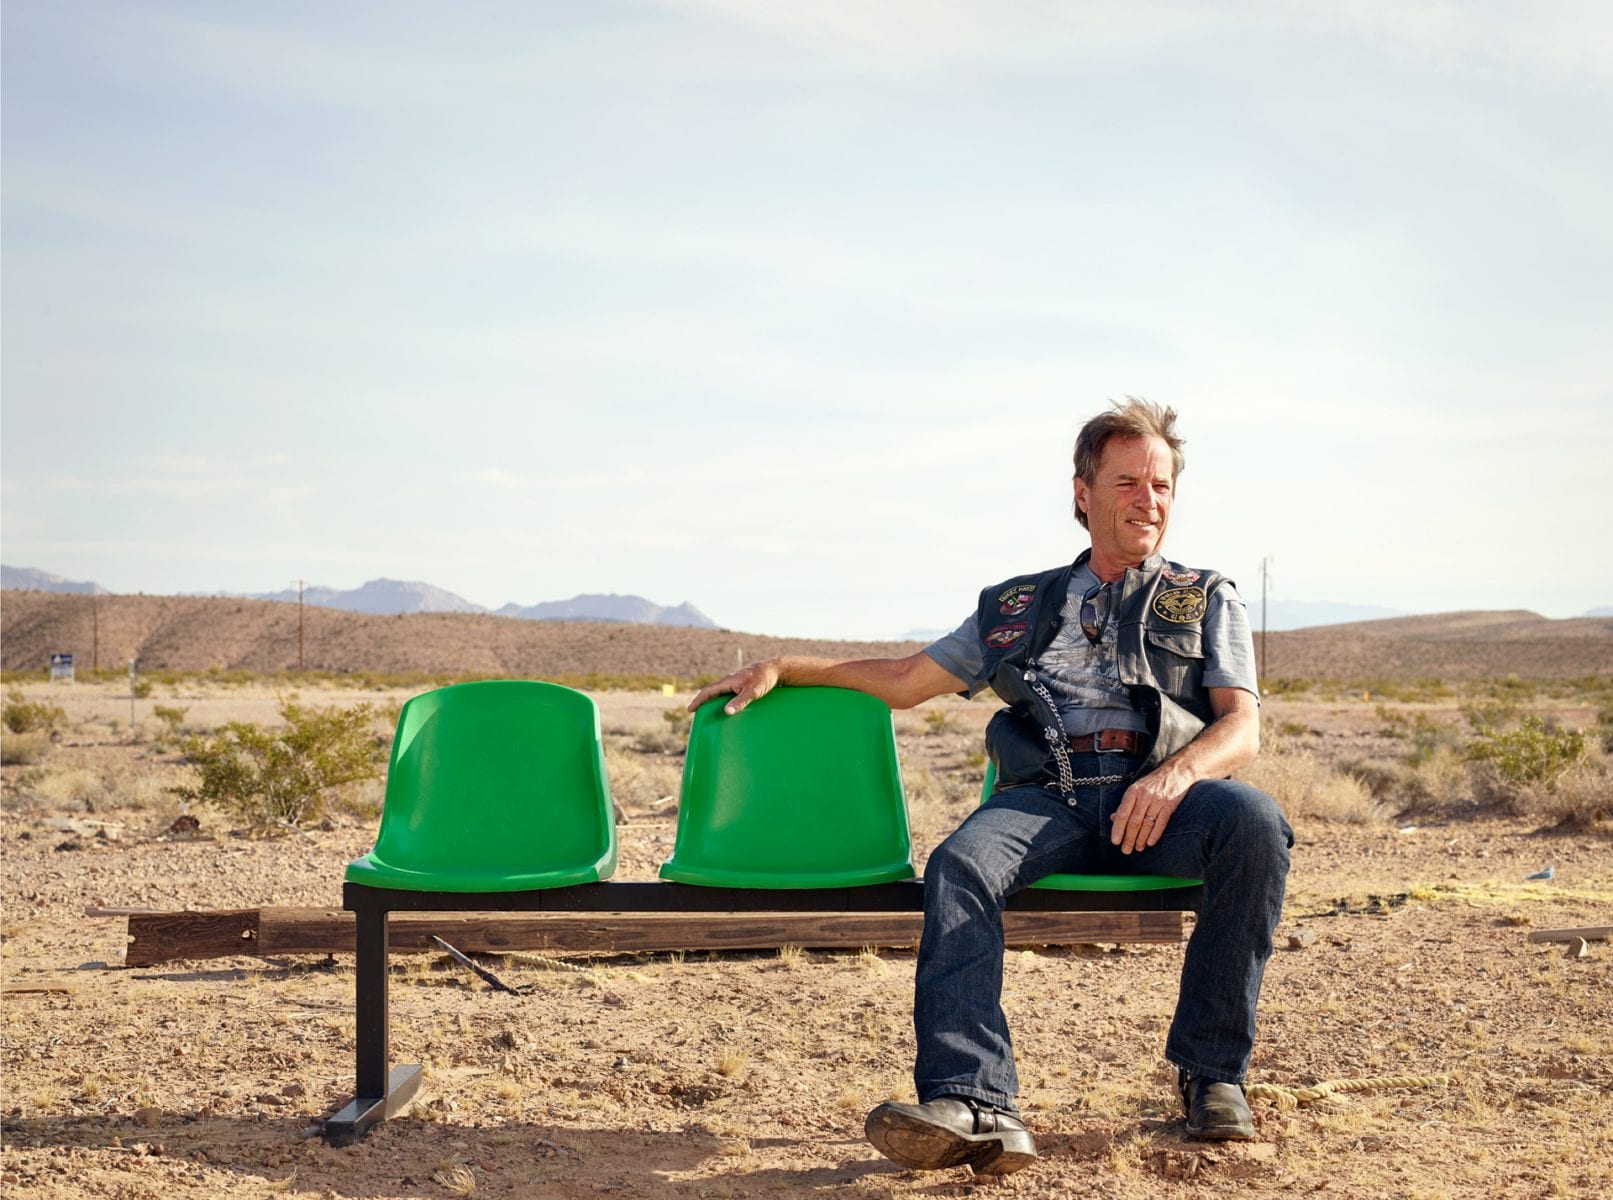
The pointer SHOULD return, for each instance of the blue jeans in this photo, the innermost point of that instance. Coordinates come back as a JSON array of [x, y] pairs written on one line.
[[1228, 834]]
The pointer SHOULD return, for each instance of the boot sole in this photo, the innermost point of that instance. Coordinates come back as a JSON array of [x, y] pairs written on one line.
[[1220, 1133], [924, 1146]]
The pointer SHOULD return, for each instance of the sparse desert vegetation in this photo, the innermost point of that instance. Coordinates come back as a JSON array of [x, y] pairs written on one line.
[[1420, 808]]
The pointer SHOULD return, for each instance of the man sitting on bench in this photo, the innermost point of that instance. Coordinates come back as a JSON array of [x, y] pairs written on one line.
[[1131, 694]]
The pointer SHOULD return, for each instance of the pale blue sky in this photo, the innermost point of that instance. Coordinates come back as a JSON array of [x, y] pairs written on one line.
[[792, 310]]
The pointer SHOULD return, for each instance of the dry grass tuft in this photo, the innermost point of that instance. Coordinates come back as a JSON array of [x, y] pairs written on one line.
[[1306, 787], [869, 960], [640, 783], [455, 1177], [68, 788], [24, 749]]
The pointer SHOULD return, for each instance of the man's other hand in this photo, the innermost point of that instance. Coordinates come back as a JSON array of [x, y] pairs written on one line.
[[746, 684]]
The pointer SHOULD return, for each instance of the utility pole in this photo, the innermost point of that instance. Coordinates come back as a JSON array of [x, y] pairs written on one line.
[[299, 626], [95, 634], [1265, 578]]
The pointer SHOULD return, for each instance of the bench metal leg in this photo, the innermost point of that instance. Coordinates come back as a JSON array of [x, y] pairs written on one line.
[[378, 1093]]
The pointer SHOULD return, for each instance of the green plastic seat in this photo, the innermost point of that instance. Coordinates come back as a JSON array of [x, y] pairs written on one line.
[[494, 787], [801, 789], [1093, 883]]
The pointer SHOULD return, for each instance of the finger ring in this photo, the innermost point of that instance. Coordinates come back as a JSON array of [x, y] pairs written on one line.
[[1146, 819]]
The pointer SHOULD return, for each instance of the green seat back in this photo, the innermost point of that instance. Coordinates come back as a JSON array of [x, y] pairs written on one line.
[[494, 787], [799, 790], [1092, 883]]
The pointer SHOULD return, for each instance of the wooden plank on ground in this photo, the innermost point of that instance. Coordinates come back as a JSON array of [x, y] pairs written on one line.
[[1591, 933], [162, 937]]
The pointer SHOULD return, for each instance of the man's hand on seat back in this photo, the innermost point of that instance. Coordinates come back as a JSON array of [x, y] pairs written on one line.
[[746, 684], [899, 682]]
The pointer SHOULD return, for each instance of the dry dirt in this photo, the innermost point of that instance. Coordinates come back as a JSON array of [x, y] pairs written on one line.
[[749, 1075]]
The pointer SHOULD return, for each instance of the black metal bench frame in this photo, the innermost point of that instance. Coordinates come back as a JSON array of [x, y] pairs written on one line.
[[382, 1090]]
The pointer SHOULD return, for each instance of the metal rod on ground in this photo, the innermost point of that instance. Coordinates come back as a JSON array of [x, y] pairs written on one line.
[[481, 971]]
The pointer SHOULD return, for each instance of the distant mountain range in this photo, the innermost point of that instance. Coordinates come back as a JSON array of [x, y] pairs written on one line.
[[635, 610], [26, 579], [1309, 614], [379, 597], [390, 597]]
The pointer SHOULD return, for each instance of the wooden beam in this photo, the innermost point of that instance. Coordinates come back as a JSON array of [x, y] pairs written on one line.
[[164, 937], [1591, 933]]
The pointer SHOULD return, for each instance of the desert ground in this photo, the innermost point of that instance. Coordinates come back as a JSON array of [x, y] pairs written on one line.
[[748, 1075]]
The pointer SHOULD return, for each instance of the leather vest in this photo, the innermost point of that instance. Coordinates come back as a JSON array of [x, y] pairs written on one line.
[[1159, 648]]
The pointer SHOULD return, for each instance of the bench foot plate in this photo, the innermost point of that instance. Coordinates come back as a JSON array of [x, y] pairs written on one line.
[[354, 1120]]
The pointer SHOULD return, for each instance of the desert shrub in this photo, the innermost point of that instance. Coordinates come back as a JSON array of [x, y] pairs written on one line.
[[1306, 787], [1403, 691], [938, 720], [1389, 780], [24, 749], [170, 719], [1285, 685], [1440, 782], [1583, 796], [284, 776], [670, 738], [1510, 689], [1490, 713], [22, 715], [1533, 754]]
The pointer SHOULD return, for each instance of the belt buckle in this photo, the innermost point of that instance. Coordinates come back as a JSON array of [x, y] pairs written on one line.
[[1099, 748]]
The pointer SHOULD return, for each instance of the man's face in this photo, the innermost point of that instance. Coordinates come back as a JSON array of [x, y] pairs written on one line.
[[1129, 502]]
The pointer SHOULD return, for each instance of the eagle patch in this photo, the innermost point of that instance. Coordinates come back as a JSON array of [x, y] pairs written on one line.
[[1181, 605], [1180, 578], [1005, 635]]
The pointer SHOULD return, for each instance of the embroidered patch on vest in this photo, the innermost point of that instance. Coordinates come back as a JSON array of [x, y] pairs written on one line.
[[1005, 635], [1016, 599], [1180, 578], [1182, 605]]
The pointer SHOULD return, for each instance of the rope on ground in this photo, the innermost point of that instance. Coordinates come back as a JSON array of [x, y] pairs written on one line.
[[557, 964], [1285, 1098]]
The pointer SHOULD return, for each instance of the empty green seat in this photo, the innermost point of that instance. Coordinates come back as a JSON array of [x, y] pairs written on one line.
[[799, 790], [1093, 883], [494, 787]]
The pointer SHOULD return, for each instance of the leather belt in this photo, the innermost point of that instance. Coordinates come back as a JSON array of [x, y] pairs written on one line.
[[1109, 741]]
